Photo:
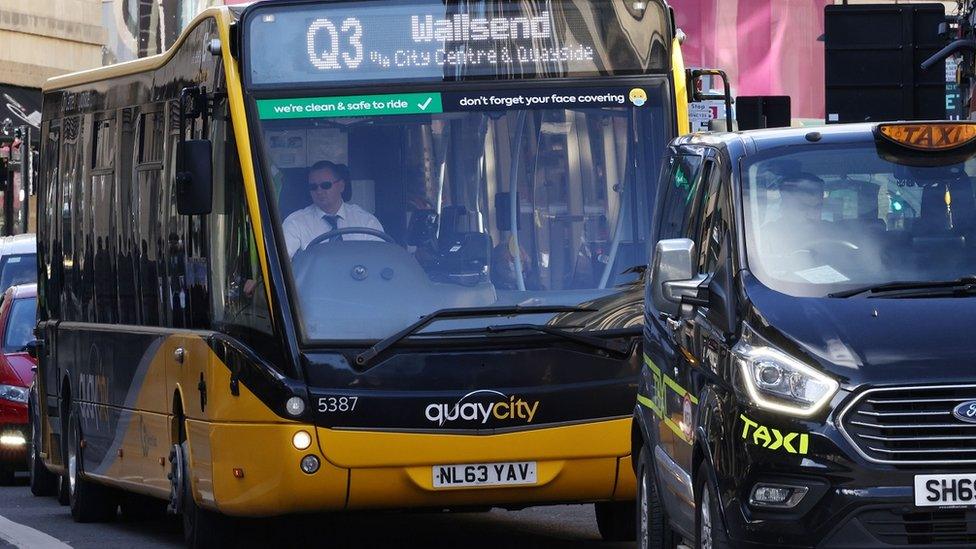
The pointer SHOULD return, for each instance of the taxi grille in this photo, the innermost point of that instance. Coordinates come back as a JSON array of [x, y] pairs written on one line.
[[957, 527], [911, 425]]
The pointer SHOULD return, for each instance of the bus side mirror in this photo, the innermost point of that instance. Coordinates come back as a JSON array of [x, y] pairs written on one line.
[[673, 279], [194, 177]]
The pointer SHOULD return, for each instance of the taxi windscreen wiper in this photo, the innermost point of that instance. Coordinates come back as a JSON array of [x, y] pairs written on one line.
[[910, 285], [364, 358]]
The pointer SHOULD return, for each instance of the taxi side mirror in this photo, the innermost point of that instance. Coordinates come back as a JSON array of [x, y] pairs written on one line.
[[674, 281]]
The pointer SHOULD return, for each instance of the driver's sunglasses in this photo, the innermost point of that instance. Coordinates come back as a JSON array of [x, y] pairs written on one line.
[[325, 185]]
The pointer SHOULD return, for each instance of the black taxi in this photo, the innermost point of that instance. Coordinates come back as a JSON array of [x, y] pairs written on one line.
[[809, 373]]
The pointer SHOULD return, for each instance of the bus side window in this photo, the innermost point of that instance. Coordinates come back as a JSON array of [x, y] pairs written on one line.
[[181, 244], [238, 293], [102, 267], [49, 250], [125, 249], [146, 210], [70, 162]]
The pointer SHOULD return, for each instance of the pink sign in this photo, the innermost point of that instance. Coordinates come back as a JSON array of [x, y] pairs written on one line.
[[768, 47]]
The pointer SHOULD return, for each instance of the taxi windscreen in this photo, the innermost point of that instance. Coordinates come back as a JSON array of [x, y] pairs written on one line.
[[824, 220], [339, 43]]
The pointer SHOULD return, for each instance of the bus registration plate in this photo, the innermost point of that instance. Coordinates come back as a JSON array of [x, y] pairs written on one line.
[[937, 490], [485, 474]]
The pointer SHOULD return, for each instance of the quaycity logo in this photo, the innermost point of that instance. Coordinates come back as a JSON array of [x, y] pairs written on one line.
[[966, 412], [481, 406]]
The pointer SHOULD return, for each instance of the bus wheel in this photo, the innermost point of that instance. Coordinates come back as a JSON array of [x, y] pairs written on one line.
[[201, 528], [615, 520], [6, 475], [89, 502], [62, 490], [653, 529], [42, 481], [708, 524]]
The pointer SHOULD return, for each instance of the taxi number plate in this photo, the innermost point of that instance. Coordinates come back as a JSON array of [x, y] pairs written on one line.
[[485, 474], [942, 490]]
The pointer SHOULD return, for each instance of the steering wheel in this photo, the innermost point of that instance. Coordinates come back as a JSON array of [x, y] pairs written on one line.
[[350, 230]]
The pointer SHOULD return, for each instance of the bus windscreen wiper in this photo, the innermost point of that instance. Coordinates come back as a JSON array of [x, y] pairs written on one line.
[[364, 358], [590, 341], [910, 285]]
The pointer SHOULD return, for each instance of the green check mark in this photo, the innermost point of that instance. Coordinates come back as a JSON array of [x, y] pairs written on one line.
[[423, 106]]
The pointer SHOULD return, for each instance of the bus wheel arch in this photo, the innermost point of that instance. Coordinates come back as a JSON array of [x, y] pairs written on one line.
[[177, 455], [178, 422], [64, 411]]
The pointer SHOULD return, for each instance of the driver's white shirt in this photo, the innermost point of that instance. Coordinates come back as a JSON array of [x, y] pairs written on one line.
[[305, 225]]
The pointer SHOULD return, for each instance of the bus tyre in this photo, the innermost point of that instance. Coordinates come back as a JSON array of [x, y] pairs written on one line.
[[6, 475], [89, 502], [615, 520], [62, 490], [708, 521], [653, 528], [42, 481], [201, 528]]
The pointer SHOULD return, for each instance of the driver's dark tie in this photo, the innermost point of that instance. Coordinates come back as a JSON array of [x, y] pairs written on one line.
[[333, 220]]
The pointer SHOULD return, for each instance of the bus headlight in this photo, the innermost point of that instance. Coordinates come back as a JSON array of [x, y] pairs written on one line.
[[13, 393], [775, 381], [302, 440]]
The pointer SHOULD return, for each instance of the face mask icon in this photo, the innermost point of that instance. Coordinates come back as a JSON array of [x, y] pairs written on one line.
[[638, 97]]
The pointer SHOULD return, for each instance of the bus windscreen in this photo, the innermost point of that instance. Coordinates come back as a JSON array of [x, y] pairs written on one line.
[[432, 40]]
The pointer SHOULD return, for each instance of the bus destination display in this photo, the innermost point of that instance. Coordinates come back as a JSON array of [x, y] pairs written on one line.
[[369, 41]]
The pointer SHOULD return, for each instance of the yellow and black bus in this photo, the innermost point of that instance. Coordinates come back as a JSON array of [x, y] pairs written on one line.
[[350, 255]]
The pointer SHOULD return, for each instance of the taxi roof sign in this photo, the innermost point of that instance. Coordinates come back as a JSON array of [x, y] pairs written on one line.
[[929, 136]]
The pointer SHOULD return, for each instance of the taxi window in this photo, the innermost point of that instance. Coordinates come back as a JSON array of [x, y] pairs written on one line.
[[825, 219], [715, 219], [680, 190]]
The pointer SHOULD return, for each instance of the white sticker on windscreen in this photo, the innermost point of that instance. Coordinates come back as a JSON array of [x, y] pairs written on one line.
[[824, 274]]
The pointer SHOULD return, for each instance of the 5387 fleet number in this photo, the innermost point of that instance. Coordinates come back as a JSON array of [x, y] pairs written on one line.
[[332, 405]]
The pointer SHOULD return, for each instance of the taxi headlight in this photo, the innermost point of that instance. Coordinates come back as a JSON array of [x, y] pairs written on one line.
[[775, 381], [13, 393]]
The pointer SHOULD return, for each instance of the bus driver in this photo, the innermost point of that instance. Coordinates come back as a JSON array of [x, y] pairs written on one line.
[[328, 211]]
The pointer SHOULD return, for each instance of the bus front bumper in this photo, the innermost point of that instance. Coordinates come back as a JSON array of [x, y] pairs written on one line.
[[255, 469]]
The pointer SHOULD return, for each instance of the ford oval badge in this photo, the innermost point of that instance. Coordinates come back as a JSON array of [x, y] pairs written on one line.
[[966, 412]]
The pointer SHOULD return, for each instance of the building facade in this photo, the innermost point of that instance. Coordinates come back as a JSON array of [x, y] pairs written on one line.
[[41, 39]]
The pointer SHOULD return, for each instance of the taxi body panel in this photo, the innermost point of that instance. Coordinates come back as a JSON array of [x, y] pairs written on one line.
[[701, 428]]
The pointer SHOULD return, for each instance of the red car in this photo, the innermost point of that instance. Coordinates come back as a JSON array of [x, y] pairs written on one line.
[[18, 315]]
